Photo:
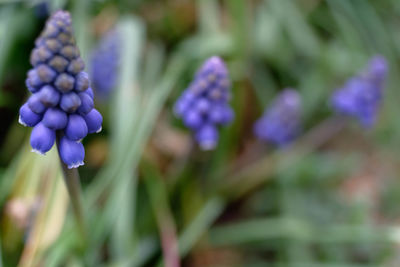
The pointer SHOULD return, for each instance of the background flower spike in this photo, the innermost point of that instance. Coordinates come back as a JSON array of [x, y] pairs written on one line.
[[104, 64], [204, 105], [280, 123], [361, 95]]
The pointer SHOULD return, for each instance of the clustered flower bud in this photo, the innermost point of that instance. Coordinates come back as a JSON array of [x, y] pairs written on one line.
[[281, 123], [105, 61], [204, 105], [62, 101], [361, 95]]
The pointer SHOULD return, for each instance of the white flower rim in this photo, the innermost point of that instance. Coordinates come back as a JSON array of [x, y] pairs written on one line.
[[76, 165], [21, 121]]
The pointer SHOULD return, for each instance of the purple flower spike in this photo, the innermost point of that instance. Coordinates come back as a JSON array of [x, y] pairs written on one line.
[[60, 93], [72, 153], [204, 106], [42, 139], [361, 95], [76, 128], [105, 61], [280, 123], [27, 117]]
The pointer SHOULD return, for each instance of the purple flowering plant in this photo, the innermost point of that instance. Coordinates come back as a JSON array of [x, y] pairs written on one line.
[[281, 122], [61, 105], [204, 105], [361, 95], [104, 64]]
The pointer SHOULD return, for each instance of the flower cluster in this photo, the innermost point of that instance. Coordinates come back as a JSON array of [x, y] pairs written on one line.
[[204, 104], [105, 60], [361, 95], [61, 103], [281, 123]]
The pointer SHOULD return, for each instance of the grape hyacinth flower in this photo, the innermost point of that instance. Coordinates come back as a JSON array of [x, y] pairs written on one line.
[[280, 123], [104, 64], [204, 105], [361, 95], [61, 104], [41, 9]]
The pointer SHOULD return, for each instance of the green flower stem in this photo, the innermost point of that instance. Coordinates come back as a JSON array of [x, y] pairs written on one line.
[[158, 194], [72, 181]]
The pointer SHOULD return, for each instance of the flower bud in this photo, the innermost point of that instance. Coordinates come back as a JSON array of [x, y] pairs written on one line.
[[76, 66], [30, 88], [49, 96], [181, 106], [40, 55], [69, 52], [221, 114], [58, 63], [64, 82], [89, 91], [82, 82], [35, 104], [45, 73], [202, 105], [42, 138], [192, 119], [33, 78], [86, 103], [76, 128], [55, 119], [53, 45], [27, 117], [93, 121], [72, 153], [207, 137], [70, 102]]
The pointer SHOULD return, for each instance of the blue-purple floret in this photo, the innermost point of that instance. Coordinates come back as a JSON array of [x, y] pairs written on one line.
[[361, 96], [204, 105], [281, 122], [104, 64], [61, 103]]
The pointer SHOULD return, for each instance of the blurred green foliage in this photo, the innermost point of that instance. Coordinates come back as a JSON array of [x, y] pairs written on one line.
[[332, 203]]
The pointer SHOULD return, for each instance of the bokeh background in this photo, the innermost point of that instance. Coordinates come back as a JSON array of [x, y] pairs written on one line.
[[330, 199]]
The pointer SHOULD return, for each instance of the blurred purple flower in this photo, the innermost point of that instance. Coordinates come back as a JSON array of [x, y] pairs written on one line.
[[61, 99], [41, 9], [204, 105], [361, 95], [104, 64], [281, 123]]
